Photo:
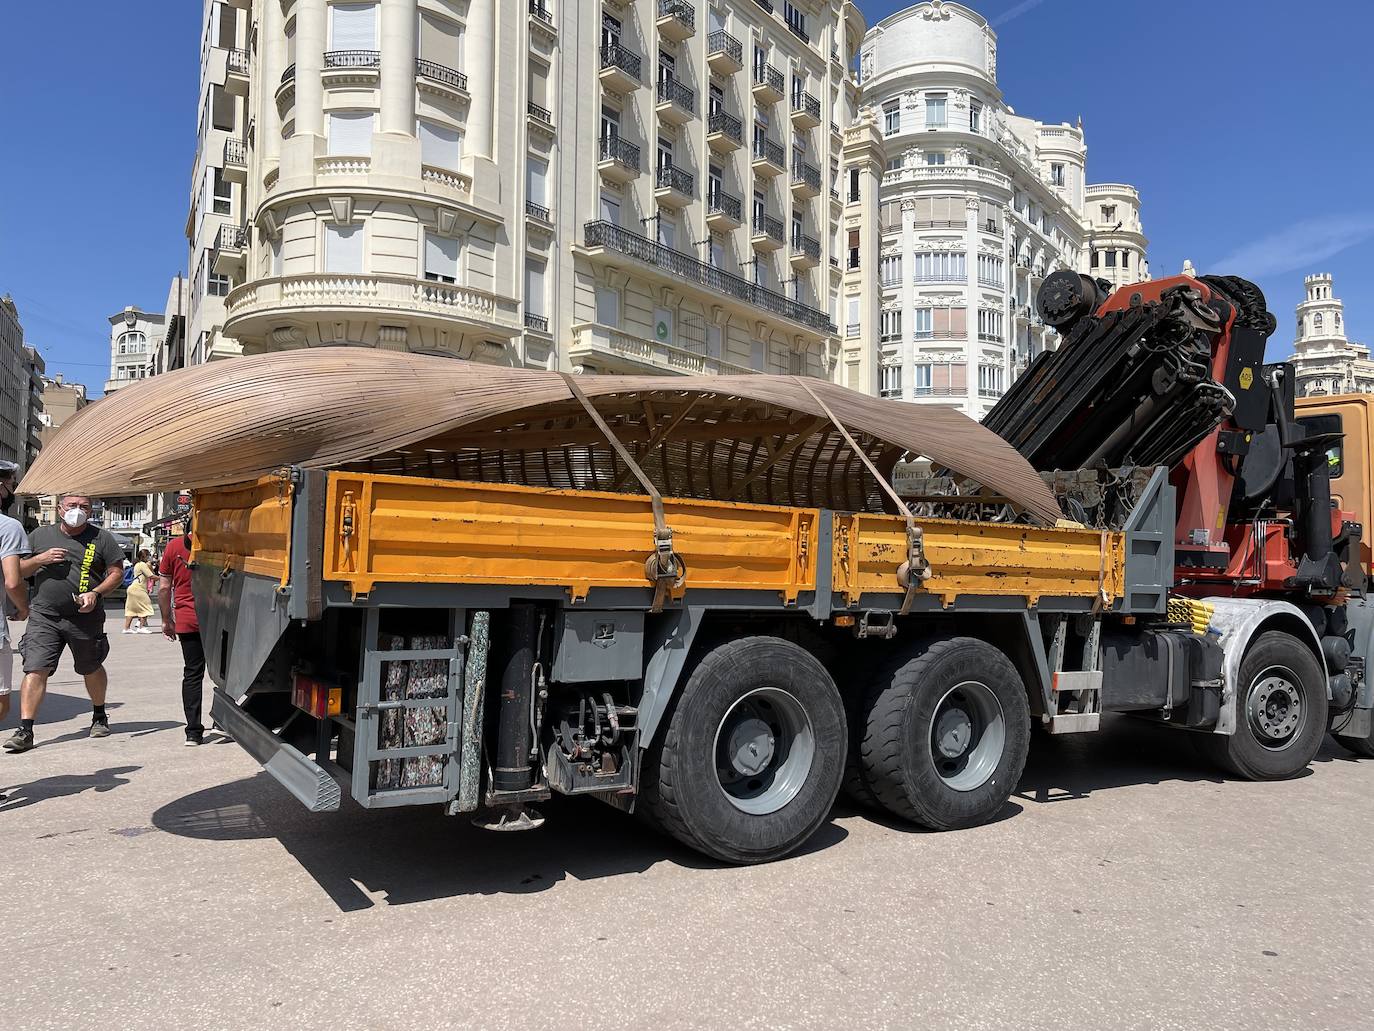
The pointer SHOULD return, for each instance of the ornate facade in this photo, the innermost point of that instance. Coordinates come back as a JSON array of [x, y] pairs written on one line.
[[1324, 361]]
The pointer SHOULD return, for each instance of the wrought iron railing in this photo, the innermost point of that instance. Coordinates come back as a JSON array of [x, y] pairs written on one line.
[[237, 61], [231, 238], [766, 150], [721, 42], [670, 177], [769, 226], [613, 55], [538, 211], [436, 72], [352, 58], [235, 152], [767, 75], [538, 323], [541, 12], [807, 245], [805, 173], [684, 266], [722, 203], [541, 113], [680, 11], [670, 91], [727, 125], [613, 148], [805, 103]]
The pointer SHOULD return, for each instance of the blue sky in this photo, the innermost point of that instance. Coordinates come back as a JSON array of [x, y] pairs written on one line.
[[1243, 124]]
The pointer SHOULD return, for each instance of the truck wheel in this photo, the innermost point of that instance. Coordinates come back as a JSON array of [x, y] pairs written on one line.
[[854, 784], [1280, 711], [751, 761], [948, 734]]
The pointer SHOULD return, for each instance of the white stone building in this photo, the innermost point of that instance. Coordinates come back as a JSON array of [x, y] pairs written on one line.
[[1324, 361], [642, 185], [957, 209], [1116, 243], [134, 336]]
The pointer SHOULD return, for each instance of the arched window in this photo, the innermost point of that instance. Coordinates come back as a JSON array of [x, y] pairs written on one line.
[[132, 342], [1317, 322], [1338, 321]]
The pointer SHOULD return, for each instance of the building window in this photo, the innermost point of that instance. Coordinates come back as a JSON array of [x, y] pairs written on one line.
[[760, 209], [441, 258], [536, 180], [441, 146], [853, 184], [920, 379], [223, 193], [975, 116], [935, 111], [795, 19], [939, 267], [990, 326], [853, 248], [935, 157], [1317, 322], [535, 302], [1056, 174], [1093, 262], [353, 27], [894, 164], [441, 41], [216, 285], [990, 380], [1125, 259], [890, 381], [892, 117], [350, 133], [132, 342], [1338, 321], [610, 123], [1110, 257], [343, 248], [890, 269], [1108, 212], [852, 317], [890, 325], [921, 328], [990, 270], [608, 306]]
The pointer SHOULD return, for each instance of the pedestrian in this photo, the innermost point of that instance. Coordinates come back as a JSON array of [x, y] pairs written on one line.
[[179, 623], [74, 565], [138, 604], [14, 546]]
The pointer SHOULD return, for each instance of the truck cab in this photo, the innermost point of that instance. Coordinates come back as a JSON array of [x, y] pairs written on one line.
[[1348, 460]]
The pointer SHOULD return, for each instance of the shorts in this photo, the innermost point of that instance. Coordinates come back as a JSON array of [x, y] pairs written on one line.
[[6, 669], [46, 636]]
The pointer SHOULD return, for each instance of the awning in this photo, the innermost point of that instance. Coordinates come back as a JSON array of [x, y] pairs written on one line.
[[761, 439]]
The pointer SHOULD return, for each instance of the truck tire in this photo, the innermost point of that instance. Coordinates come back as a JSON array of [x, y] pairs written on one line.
[[751, 761], [854, 784], [948, 734], [1280, 711]]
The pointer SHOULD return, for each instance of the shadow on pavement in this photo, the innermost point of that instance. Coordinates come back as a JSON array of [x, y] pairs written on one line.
[[133, 729], [420, 855], [66, 784], [56, 708]]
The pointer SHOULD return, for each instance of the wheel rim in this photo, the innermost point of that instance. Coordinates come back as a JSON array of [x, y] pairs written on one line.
[[1275, 708], [968, 734], [763, 750]]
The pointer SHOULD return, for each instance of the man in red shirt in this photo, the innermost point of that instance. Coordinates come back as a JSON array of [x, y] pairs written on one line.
[[179, 623]]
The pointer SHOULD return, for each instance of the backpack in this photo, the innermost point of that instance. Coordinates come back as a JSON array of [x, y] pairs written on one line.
[[128, 575]]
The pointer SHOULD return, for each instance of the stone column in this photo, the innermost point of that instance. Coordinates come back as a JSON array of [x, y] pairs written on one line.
[[398, 65], [971, 345], [312, 35], [480, 57], [272, 48]]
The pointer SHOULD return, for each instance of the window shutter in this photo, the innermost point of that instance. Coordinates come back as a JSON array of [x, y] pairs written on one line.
[[440, 145], [343, 248], [350, 133], [353, 27], [441, 255], [539, 84], [441, 41], [534, 287], [537, 175], [607, 306], [610, 210]]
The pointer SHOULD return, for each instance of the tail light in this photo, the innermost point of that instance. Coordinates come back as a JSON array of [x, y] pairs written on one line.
[[316, 697]]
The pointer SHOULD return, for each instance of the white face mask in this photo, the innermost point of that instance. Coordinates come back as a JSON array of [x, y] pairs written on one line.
[[75, 518]]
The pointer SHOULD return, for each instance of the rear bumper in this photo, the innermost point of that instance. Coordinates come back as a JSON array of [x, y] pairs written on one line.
[[313, 785]]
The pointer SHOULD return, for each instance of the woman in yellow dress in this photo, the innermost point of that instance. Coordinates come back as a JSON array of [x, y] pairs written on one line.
[[138, 603]]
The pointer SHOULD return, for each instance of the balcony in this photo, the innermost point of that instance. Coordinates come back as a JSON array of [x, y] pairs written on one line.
[[618, 160], [676, 103], [768, 84], [723, 212], [236, 72], [677, 20], [724, 53], [538, 212], [805, 251], [619, 69], [946, 173], [767, 233], [231, 244], [768, 158], [806, 179], [712, 283], [352, 67], [540, 120], [673, 186], [607, 349], [286, 90], [235, 163], [441, 80], [806, 110], [799, 32], [724, 133], [542, 17], [255, 309], [537, 323]]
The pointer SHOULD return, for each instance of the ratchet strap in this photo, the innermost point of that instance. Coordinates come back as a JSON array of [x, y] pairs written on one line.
[[664, 568], [915, 570]]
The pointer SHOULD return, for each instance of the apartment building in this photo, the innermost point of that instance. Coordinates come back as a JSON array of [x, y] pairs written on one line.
[[956, 209], [586, 185], [14, 386], [1324, 360], [135, 336]]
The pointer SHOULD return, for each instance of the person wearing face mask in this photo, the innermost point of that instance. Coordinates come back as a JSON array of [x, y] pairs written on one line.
[[74, 565], [14, 600]]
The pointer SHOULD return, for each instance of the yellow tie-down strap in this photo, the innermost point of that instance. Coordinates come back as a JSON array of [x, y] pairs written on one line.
[[406, 529], [968, 558]]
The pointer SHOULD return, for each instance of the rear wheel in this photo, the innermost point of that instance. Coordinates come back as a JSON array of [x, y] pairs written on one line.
[[1281, 711], [751, 760], [947, 735]]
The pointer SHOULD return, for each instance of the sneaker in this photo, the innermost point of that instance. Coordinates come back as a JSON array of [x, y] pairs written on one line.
[[147, 630], [194, 739], [100, 727], [21, 741], [128, 631]]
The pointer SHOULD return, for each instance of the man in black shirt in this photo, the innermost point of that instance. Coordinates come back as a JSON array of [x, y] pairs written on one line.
[[73, 565]]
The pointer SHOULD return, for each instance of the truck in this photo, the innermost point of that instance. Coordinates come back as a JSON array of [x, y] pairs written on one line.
[[702, 600]]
